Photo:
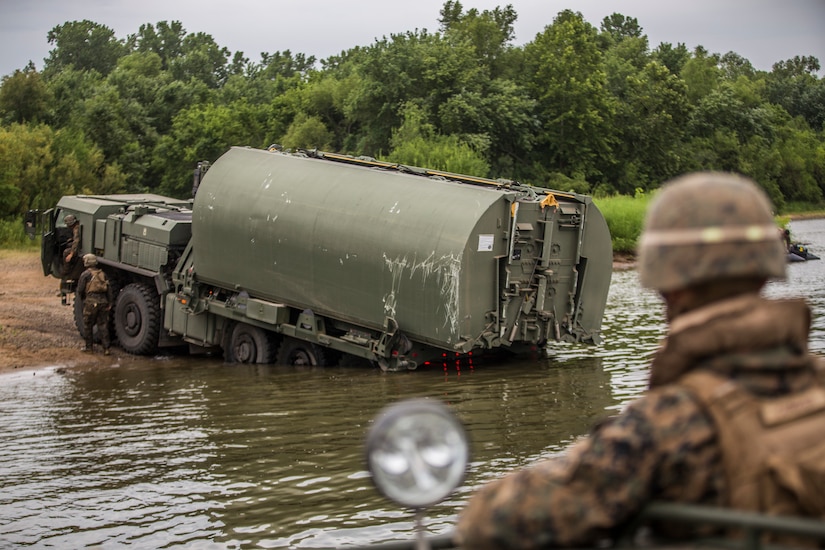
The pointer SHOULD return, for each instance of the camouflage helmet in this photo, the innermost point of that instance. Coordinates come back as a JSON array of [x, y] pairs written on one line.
[[705, 226], [70, 220], [89, 260]]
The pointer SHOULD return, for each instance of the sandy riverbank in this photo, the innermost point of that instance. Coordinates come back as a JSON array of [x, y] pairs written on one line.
[[35, 329]]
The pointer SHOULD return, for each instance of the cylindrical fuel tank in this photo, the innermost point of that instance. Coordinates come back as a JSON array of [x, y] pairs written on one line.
[[355, 243]]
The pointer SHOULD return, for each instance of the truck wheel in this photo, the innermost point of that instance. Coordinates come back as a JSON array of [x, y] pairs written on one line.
[[298, 352], [137, 319], [248, 344]]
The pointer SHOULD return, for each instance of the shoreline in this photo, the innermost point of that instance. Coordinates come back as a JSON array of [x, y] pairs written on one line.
[[807, 216], [624, 261]]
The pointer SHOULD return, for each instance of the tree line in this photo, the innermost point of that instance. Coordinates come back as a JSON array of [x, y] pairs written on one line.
[[593, 110]]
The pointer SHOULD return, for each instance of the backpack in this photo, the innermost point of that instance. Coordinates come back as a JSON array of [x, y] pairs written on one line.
[[773, 449], [98, 283]]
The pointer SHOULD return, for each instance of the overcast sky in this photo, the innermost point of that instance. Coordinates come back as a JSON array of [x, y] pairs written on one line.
[[763, 31]]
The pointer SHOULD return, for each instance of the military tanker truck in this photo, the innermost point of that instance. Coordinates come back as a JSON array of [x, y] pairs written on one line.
[[315, 258]]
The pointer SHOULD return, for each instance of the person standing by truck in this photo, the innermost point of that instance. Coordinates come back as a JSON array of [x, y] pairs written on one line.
[[735, 411], [97, 296], [72, 249]]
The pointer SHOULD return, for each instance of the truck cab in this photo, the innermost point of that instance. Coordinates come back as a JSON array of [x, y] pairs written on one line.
[[137, 239]]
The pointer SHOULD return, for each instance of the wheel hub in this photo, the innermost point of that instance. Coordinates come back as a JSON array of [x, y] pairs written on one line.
[[132, 321], [245, 351]]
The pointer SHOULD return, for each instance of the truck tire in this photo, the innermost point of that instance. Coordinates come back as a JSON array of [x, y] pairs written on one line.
[[249, 344], [298, 352], [137, 319]]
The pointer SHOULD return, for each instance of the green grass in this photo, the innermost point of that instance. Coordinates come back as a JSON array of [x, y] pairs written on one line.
[[12, 236], [625, 216], [804, 210]]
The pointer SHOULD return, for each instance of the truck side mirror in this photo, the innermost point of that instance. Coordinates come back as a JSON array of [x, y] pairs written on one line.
[[30, 223]]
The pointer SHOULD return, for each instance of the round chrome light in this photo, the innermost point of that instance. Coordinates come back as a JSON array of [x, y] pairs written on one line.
[[417, 452]]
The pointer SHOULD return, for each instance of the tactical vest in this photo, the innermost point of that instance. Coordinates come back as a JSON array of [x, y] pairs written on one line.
[[773, 449], [98, 283]]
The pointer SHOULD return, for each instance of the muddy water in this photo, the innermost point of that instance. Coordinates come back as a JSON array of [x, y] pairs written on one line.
[[188, 452]]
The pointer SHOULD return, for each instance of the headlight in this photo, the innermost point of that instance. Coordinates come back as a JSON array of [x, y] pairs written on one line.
[[417, 452]]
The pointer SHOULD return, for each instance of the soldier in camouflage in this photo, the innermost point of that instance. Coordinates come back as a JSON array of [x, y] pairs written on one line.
[[708, 247], [72, 249], [97, 296]]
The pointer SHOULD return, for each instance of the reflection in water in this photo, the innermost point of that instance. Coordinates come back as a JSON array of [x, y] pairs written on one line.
[[182, 452]]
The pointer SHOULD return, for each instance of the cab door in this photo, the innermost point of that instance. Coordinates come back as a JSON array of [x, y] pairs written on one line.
[[49, 245]]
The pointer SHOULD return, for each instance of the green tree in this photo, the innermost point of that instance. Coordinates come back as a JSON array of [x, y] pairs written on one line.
[[328, 98], [701, 74], [307, 132], [117, 126], [263, 82], [24, 96], [762, 162], [165, 39], [490, 32], [204, 132], [283, 65], [650, 121], [721, 108], [734, 65], [84, 45], [672, 57], [25, 157], [420, 67], [567, 77], [38, 165], [620, 27], [416, 143], [796, 66], [498, 119], [201, 60], [793, 84], [800, 150], [79, 167], [69, 89], [489, 109]]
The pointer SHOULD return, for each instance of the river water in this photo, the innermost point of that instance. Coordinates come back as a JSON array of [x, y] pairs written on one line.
[[184, 452]]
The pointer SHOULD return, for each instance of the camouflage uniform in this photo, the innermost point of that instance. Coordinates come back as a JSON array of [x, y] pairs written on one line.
[[72, 249], [663, 446], [96, 303]]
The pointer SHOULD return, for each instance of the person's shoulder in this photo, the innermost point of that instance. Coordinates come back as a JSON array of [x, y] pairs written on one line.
[[669, 407], [666, 395]]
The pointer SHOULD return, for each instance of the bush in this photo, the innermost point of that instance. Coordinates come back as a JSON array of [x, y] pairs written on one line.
[[12, 235], [625, 217]]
